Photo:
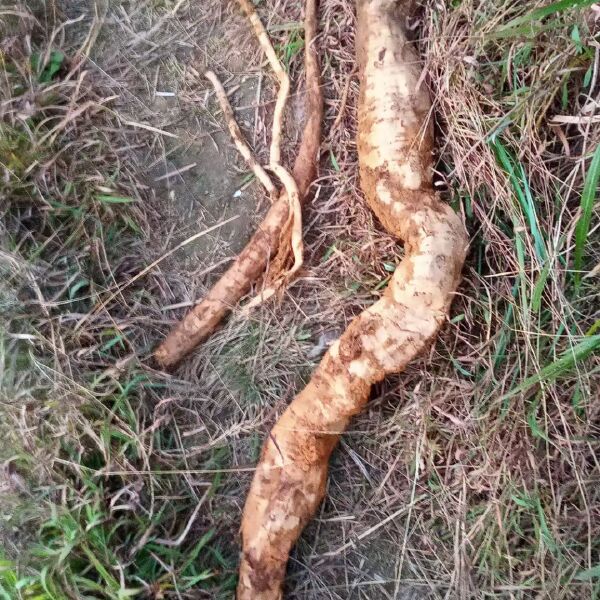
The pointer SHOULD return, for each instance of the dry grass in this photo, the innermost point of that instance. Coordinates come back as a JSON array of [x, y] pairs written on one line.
[[475, 474]]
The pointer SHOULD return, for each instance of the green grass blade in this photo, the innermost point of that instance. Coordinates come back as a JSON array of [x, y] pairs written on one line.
[[588, 197], [560, 367], [520, 251], [532, 215], [520, 185], [545, 11], [538, 290], [107, 199], [506, 331], [109, 580], [334, 162], [595, 327], [589, 574]]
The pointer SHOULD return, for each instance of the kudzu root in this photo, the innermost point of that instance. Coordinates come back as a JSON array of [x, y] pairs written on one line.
[[395, 142]]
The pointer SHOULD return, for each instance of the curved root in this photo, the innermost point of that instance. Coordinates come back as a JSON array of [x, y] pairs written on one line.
[[237, 136], [280, 73], [394, 145]]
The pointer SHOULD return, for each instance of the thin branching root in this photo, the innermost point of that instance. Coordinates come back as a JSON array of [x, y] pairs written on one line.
[[394, 144], [280, 73], [282, 222], [238, 136]]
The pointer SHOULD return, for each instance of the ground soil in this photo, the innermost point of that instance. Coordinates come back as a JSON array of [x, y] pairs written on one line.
[[437, 490], [166, 89]]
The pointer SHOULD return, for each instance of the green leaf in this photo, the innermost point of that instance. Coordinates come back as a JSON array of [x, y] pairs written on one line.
[[520, 184], [303, 335], [117, 339], [131, 224], [192, 581], [328, 253], [545, 11], [532, 421], [587, 574], [110, 581], [523, 502], [520, 248], [51, 68], [588, 197], [381, 284], [538, 290], [544, 529], [79, 285], [4, 594], [560, 367], [460, 368], [506, 331], [114, 199], [576, 37], [529, 29], [334, 162], [56, 60], [129, 593], [6, 565], [25, 582], [592, 330], [577, 401], [587, 78]]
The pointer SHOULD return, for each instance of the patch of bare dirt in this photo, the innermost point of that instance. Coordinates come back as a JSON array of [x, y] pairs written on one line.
[[155, 63]]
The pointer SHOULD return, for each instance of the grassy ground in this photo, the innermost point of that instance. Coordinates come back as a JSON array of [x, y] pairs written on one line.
[[473, 475]]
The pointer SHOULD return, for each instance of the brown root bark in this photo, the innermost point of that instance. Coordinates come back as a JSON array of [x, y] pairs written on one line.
[[201, 321], [394, 144]]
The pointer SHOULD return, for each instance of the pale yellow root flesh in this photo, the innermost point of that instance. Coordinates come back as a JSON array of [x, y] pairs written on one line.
[[394, 145]]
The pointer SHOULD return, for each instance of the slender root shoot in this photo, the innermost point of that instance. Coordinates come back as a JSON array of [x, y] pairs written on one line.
[[238, 136], [280, 73]]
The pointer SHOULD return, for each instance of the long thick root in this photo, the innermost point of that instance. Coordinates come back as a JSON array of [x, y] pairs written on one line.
[[204, 317], [394, 145]]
